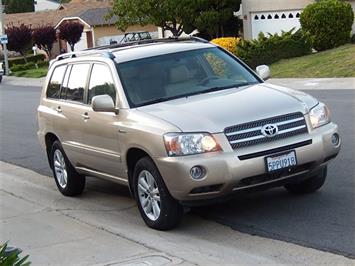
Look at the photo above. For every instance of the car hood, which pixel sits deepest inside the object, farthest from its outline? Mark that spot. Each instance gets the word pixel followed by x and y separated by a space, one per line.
pixel 213 112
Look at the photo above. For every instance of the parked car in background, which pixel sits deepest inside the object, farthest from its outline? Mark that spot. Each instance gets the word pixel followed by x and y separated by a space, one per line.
pixel 180 122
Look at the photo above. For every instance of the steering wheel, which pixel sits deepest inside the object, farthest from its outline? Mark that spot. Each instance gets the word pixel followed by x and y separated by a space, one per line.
pixel 207 79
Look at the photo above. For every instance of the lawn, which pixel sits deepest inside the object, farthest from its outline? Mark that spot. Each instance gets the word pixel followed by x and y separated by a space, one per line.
pixel 338 62
pixel 31 73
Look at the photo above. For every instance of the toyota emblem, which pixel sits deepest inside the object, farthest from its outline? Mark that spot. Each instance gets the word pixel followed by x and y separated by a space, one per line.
pixel 269 130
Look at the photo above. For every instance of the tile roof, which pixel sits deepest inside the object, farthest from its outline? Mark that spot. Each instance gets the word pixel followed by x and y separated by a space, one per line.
pixel 53 17
pixel 97 16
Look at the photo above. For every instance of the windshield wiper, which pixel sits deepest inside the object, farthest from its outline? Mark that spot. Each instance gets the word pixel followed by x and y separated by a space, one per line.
pixel 219 88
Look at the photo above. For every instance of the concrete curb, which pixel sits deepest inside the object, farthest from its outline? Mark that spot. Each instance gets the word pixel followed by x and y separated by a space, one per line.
pixel 316 83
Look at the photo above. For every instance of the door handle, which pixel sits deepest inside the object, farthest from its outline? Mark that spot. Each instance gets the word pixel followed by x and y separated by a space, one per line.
pixel 59 109
pixel 85 116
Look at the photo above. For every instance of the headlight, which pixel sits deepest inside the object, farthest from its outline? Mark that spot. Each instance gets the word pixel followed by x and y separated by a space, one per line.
pixel 178 144
pixel 319 115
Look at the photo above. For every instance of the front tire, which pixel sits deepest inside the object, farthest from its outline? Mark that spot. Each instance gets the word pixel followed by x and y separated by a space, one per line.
pixel 309 185
pixel 68 181
pixel 157 207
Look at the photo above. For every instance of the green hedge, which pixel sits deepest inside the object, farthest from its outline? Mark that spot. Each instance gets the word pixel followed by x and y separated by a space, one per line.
pixel 269 49
pixel 328 23
pixel 21 61
pixel 29 65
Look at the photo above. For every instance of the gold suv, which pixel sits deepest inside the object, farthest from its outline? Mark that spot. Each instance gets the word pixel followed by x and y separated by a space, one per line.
pixel 180 122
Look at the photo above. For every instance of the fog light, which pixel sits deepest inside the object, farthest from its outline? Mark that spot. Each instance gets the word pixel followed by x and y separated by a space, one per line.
pixel 197 172
pixel 335 139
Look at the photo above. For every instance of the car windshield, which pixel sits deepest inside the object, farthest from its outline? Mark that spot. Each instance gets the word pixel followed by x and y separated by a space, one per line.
pixel 183 74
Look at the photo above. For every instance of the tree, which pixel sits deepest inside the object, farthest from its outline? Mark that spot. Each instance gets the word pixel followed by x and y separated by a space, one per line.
pixel 44 37
pixel 167 14
pixel 208 16
pixel 19 6
pixel 20 39
pixel 328 23
pixel 71 32
pixel 216 18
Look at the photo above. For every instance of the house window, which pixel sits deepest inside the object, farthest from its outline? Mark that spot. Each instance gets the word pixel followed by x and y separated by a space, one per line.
pixel 262 17
pixel 283 15
pixel 297 15
pixel 276 16
pixel 256 17
pixel 269 17
pixel 290 15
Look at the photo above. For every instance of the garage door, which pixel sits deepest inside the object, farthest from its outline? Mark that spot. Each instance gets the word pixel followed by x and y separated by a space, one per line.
pixel 274 22
pixel 80 45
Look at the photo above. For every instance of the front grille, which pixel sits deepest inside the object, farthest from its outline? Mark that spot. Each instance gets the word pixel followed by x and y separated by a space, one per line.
pixel 249 134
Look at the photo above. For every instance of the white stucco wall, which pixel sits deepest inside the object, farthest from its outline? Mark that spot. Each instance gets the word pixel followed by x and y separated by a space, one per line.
pixel 45 5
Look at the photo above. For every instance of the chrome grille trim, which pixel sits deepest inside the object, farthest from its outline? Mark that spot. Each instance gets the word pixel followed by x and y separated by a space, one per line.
pixel 249 134
pixel 259 128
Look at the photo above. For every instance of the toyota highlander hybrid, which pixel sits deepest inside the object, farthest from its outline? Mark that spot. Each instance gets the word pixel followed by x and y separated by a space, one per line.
pixel 180 122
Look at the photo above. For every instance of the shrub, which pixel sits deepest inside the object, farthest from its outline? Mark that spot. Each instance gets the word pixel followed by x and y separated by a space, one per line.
pixel 228 43
pixel 21 61
pixel 267 50
pixel 12 258
pixel 328 23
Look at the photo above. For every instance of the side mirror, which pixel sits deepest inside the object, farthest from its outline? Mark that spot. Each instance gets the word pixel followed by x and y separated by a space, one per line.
pixel 103 103
pixel 263 71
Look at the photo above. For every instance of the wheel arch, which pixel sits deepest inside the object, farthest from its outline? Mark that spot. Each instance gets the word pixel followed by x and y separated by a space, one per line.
pixel 50 138
pixel 133 155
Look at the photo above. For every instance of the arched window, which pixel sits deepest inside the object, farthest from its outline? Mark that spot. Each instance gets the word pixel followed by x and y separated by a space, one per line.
pixel 297 15
pixel 262 17
pixel 290 15
pixel 256 17
pixel 283 15
pixel 269 17
pixel 276 16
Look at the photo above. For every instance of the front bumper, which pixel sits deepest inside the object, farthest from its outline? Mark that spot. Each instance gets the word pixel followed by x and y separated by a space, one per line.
pixel 244 169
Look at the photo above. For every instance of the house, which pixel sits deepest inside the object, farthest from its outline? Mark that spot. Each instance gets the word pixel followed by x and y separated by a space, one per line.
pixel 41 5
pixel 91 13
pixel 273 16
pixel 98 30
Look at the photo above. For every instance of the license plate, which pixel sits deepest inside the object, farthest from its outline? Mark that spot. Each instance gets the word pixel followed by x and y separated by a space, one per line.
pixel 281 161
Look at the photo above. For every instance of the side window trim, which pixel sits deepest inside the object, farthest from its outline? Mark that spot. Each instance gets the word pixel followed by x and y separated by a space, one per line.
pixel 64 86
pixel 86 84
pixel 61 84
pixel 112 78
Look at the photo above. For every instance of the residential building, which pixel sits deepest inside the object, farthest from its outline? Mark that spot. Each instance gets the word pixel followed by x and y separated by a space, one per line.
pixel 273 16
pixel 42 5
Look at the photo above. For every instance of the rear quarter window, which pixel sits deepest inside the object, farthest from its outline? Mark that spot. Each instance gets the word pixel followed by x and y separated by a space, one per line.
pixel 55 83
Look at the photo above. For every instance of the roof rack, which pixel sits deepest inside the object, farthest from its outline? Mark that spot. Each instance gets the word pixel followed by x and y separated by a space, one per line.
pixel 106 50
pixel 148 41
pixel 106 54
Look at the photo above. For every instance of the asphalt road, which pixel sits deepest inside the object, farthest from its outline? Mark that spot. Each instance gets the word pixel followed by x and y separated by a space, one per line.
pixel 324 220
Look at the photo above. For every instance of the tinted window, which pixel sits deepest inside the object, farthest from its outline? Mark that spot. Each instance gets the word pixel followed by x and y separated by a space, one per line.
pixel 53 90
pixel 101 82
pixel 171 76
pixel 77 82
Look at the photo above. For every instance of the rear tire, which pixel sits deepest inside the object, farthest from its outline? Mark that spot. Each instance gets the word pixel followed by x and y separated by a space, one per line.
pixel 309 185
pixel 157 207
pixel 68 181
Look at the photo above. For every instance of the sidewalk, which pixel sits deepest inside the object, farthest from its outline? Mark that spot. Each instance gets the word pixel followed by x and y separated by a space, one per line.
pixel 16 81
pixel 103 227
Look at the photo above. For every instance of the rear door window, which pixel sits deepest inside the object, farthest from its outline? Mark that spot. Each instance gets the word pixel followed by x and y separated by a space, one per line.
pixel 77 82
pixel 101 82
pixel 53 90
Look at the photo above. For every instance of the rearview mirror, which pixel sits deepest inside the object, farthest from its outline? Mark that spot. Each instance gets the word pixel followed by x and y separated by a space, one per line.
pixel 103 103
pixel 263 71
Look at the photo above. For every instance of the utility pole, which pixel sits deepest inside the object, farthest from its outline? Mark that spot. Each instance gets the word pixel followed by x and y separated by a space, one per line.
pixel 2 31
